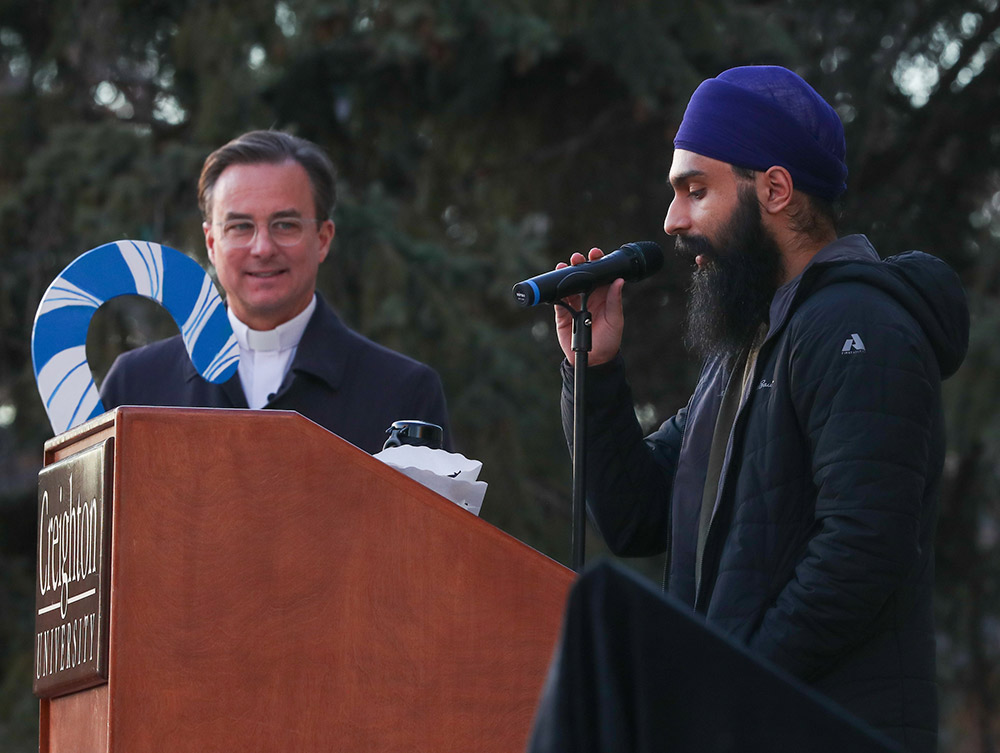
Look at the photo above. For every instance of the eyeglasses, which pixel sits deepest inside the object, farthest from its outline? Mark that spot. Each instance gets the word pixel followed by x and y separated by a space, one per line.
pixel 284 231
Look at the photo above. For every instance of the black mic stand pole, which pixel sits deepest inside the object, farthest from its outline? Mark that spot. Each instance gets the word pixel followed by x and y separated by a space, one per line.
pixel 581 343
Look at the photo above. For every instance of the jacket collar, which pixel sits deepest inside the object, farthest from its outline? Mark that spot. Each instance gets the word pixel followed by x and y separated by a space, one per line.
pixel 846 249
pixel 323 350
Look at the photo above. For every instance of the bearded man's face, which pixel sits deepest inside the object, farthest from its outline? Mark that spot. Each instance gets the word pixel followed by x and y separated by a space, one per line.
pixel 731 290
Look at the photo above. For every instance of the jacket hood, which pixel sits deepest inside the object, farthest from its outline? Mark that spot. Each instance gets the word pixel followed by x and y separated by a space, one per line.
pixel 925 286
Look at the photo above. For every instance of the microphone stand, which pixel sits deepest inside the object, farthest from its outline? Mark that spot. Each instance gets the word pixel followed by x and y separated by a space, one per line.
pixel 581 343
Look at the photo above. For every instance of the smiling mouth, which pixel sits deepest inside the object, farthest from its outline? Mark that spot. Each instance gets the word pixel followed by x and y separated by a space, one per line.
pixel 266 274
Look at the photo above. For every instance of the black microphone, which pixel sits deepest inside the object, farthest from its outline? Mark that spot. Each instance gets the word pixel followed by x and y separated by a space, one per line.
pixel 633 261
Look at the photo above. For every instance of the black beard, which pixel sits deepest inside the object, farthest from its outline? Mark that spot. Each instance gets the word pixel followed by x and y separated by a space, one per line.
pixel 730 294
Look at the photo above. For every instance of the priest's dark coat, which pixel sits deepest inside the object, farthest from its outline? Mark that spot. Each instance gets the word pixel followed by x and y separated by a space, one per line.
pixel 338 378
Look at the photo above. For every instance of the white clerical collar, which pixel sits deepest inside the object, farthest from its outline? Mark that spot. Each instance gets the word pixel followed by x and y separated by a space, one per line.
pixel 282 337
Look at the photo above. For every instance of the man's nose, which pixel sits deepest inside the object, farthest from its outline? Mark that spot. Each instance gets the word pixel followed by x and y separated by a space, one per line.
pixel 263 244
pixel 676 221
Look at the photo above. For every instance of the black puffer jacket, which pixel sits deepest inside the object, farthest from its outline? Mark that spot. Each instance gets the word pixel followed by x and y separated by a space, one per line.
pixel 820 551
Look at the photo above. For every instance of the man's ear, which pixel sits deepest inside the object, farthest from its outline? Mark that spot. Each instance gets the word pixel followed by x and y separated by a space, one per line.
pixel 326 232
pixel 774 189
pixel 206 228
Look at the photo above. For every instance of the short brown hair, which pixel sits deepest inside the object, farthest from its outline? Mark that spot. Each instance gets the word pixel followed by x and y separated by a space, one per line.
pixel 271 147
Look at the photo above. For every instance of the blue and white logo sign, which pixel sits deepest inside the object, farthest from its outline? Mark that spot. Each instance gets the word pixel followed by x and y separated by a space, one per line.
pixel 160 273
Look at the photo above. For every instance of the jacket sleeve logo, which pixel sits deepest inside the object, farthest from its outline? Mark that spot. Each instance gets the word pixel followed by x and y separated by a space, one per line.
pixel 853 345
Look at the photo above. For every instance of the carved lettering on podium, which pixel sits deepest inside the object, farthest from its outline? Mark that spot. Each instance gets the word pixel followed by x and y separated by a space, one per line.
pixel 71 583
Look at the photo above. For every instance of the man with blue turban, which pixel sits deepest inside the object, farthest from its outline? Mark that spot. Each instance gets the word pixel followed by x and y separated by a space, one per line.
pixel 796 494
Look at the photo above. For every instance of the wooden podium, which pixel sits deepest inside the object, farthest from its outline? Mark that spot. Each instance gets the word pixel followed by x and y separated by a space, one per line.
pixel 274 588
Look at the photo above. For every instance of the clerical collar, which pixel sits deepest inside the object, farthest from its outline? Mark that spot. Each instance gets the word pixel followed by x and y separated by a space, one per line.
pixel 282 337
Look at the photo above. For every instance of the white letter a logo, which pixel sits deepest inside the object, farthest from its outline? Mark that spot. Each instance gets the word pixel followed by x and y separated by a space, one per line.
pixel 853 344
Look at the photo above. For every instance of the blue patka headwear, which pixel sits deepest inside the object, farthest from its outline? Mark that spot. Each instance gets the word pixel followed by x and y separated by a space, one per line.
pixel 759 116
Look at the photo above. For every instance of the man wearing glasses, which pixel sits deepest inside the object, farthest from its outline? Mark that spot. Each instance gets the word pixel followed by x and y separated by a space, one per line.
pixel 266 198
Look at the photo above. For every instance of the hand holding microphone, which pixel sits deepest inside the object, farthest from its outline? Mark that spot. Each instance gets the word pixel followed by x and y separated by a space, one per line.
pixel 601 275
pixel 633 261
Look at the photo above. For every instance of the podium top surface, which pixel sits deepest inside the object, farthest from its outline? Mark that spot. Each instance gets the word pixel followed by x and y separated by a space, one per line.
pixel 97 428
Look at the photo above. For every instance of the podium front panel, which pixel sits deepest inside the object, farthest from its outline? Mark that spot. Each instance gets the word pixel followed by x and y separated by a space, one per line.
pixel 273 587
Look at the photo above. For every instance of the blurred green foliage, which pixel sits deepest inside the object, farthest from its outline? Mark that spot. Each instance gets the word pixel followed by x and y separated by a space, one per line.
pixel 479 142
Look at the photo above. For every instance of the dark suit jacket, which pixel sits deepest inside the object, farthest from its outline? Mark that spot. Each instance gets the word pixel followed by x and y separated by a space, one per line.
pixel 339 379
